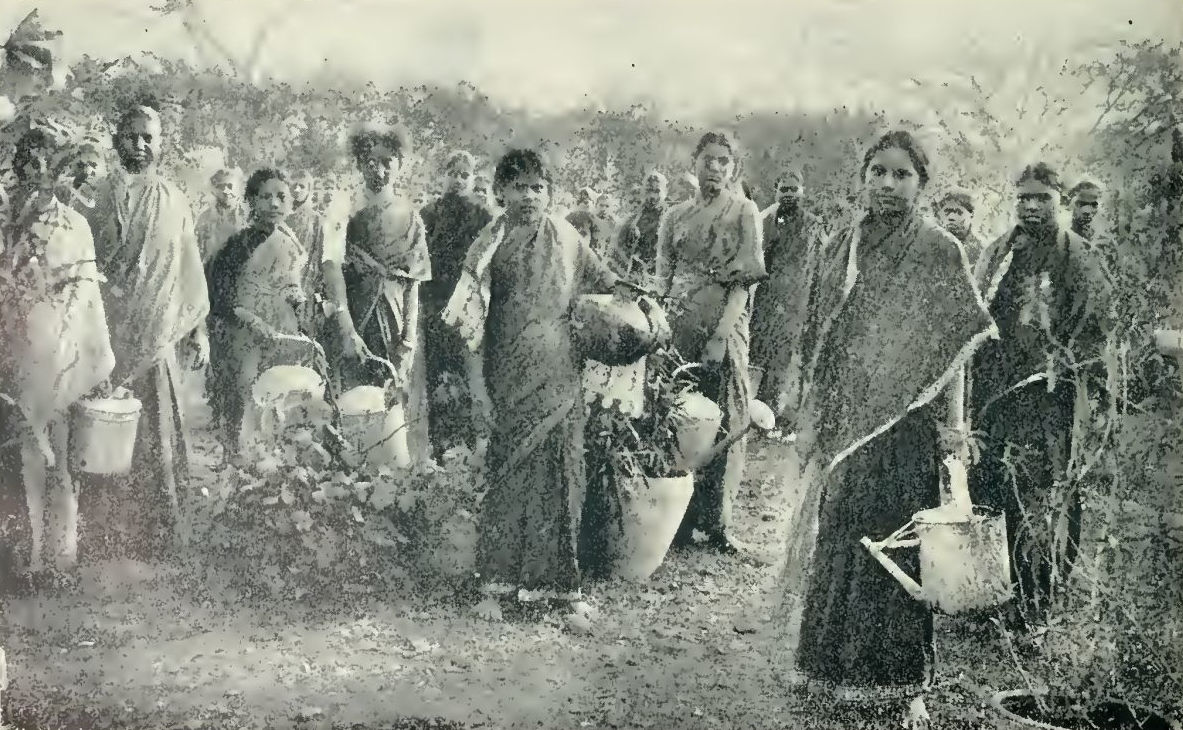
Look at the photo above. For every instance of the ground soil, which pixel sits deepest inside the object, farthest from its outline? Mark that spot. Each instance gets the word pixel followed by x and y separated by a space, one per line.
pixel 177 645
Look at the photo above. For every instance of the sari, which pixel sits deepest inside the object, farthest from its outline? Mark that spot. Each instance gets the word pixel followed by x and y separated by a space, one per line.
pixel 452 223
pixel 512 304
pixel 55 349
pixel 791 250
pixel 900 318
pixel 259 271
pixel 1050 297
pixel 155 297
pixel 386 258
pixel 704 251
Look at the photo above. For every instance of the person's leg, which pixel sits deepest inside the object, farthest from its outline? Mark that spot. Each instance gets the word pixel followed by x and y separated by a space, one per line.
pixel 693 518
pixel 62 517
pixel 33 472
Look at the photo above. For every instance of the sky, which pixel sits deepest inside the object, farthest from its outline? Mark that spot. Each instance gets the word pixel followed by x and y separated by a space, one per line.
pixel 688 55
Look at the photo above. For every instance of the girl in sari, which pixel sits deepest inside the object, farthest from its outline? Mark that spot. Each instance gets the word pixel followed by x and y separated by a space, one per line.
pixel 384 263
pixel 255 287
pixel 898 318
pixel 54 349
pixel 709 254
pixel 512 304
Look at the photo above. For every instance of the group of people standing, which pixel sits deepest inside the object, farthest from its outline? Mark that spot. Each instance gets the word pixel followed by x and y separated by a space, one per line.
pixel 915 334
pixel 871 342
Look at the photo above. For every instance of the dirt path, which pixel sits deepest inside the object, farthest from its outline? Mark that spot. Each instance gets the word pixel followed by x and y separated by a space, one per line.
pixel 139 648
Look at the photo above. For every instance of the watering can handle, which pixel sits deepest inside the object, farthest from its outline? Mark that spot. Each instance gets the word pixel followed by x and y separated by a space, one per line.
pixel 896 540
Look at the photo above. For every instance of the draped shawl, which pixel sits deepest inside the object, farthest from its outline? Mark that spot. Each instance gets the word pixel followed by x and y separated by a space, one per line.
pixel 148 251
pixel 386 253
pixel 57 347
pixel 704 250
pixel 1075 304
pixel 468 308
pixel 889 340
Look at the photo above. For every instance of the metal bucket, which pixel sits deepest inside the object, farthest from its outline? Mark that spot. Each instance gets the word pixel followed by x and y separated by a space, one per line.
pixel 103 434
pixel 376 432
pixel 964 564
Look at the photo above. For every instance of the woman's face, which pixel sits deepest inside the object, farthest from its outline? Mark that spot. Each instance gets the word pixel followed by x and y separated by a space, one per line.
pixel 714 167
pixel 891 182
pixel 378 166
pixel 460 179
pixel 272 203
pixel 526 198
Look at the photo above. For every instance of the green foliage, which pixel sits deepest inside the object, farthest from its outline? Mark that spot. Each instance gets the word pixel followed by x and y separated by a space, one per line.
pixel 306 524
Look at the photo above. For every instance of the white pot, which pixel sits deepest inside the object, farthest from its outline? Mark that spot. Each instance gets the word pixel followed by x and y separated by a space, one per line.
pixel 653 510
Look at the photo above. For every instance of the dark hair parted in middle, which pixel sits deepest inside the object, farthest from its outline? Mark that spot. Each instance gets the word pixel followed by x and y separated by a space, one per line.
pixel 718 137
pixel 900 140
pixel 395 137
pixel 261 176
pixel 516 163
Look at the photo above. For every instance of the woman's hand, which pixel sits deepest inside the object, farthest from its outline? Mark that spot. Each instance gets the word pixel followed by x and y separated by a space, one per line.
pixel 354 346
pixel 199 346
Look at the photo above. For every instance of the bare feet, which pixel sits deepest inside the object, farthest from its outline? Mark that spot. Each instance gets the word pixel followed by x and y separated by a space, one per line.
pixel 916 716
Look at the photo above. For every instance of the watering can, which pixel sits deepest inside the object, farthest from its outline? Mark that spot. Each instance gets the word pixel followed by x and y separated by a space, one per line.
pixel 694 456
pixel 964 561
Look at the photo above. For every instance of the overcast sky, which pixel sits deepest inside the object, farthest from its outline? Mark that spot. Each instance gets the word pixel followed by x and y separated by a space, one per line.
pixel 690 55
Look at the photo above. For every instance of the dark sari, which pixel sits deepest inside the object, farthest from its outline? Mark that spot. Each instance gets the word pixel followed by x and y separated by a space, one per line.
pixel 452 223
pixel 791 242
pixel 901 317
pixel 1030 425
pixel 530 515
pixel 385 256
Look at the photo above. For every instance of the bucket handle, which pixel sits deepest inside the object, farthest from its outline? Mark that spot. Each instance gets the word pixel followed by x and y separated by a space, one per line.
pixel 905 537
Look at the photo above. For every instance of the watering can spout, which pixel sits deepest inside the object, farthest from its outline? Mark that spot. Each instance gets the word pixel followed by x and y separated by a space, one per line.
pixel 914 589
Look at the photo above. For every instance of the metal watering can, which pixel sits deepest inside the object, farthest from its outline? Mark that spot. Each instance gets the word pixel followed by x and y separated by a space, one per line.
pixel 964 561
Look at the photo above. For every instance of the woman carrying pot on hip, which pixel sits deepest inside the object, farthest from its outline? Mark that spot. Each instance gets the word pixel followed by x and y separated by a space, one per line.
pixel 709 254
pixel 897 318
pixel 512 305
pixel 54 349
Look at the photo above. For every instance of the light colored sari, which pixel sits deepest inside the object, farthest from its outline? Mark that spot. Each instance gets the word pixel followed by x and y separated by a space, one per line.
pixel 706 249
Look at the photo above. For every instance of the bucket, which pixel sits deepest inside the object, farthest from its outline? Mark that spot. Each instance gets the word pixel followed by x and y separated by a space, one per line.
pixel 373 429
pixel 276 395
pixel 653 510
pixel 103 434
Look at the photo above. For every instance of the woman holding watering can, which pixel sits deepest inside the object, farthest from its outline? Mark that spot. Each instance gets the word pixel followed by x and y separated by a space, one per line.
pixel 895 318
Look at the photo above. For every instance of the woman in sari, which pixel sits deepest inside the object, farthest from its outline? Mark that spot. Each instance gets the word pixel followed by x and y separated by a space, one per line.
pixel 512 303
pixel 255 287
pixel 898 318
pixel 709 254
pixel 54 349
pixel 385 261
